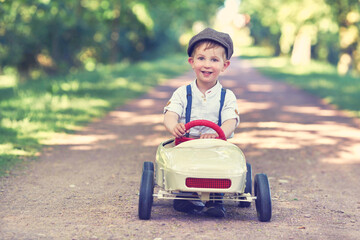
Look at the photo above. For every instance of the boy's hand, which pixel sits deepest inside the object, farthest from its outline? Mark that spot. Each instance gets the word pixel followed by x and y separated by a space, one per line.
pixel 172 125
pixel 179 130
pixel 209 135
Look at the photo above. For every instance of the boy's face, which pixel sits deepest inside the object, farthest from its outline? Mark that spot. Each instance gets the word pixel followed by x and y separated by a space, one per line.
pixel 208 64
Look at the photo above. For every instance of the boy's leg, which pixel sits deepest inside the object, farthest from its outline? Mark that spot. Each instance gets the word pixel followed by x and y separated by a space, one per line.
pixel 215 208
pixel 188 206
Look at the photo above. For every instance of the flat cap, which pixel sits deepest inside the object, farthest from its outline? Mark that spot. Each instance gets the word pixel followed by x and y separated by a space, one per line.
pixel 223 39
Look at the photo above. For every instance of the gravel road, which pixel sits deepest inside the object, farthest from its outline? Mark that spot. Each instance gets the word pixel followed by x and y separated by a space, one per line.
pixel 85 186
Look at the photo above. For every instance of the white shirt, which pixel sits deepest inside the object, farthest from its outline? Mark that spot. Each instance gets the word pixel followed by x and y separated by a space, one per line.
pixel 203 106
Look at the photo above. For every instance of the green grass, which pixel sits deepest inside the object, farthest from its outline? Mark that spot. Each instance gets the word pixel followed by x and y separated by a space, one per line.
pixel 33 111
pixel 319 78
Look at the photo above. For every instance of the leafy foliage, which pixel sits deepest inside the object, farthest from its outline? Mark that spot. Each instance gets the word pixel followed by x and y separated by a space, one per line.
pixel 333 26
pixel 55 36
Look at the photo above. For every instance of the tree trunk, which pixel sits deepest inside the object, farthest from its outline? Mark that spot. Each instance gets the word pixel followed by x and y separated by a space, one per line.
pixel 301 54
pixel 349 37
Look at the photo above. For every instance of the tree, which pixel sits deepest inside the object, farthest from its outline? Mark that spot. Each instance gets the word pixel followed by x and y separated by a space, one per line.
pixel 54 36
pixel 291 26
pixel 324 28
pixel 347 15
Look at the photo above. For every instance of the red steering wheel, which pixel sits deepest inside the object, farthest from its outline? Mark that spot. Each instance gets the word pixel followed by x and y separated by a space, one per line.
pixel 205 123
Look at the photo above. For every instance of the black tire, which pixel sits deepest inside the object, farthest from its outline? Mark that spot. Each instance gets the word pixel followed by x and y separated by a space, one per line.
pixel 148 166
pixel 146 194
pixel 263 197
pixel 248 186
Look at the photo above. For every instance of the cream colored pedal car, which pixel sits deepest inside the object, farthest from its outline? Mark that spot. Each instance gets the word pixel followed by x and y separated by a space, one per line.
pixel 203 166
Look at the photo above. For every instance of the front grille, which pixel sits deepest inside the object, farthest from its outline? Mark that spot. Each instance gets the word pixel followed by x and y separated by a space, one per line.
pixel 208 183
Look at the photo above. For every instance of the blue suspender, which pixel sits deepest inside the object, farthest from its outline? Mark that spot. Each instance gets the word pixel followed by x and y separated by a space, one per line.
pixel 222 100
pixel 189 103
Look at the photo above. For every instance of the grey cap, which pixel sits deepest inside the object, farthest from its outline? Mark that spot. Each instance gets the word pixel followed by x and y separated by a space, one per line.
pixel 223 39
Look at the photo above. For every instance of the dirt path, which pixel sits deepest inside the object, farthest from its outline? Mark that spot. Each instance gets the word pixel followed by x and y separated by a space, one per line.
pixel 85 186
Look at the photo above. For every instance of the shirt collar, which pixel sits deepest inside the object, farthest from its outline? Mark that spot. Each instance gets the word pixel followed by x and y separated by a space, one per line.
pixel 211 91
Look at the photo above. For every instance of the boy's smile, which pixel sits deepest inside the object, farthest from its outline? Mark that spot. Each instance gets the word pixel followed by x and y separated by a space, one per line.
pixel 208 64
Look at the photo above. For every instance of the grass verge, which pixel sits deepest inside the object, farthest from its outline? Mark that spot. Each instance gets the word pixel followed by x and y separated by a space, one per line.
pixel 33 111
pixel 320 79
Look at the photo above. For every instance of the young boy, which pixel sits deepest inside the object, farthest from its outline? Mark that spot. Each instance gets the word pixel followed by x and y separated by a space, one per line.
pixel 209 55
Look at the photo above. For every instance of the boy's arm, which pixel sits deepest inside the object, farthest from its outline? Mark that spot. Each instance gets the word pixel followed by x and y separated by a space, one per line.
pixel 229 127
pixel 172 125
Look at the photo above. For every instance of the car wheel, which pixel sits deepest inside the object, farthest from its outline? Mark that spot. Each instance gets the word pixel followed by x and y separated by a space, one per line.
pixel 263 197
pixel 248 186
pixel 148 166
pixel 146 194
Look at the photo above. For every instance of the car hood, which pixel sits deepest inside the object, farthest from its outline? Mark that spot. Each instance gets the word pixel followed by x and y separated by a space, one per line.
pixel 212 157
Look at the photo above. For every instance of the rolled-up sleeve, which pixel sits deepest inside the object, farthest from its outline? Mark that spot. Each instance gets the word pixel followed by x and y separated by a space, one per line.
pixel 177 102
pixel 230 109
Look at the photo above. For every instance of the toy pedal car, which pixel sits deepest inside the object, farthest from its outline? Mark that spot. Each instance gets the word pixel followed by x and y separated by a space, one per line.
pixel 203 166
